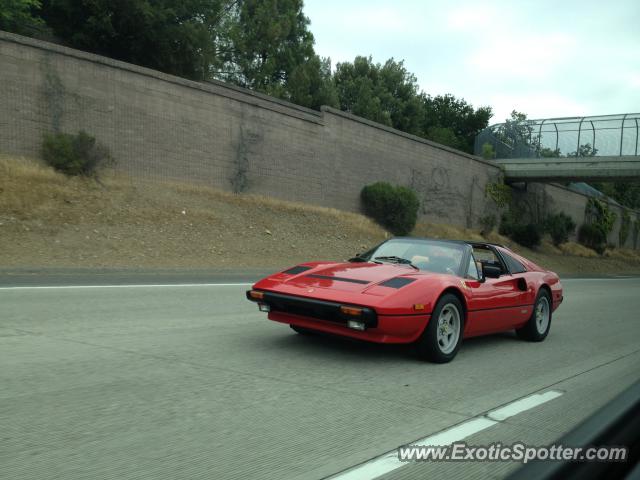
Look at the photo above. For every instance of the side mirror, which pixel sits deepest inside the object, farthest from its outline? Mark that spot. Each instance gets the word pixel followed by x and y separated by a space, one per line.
pixel 491 271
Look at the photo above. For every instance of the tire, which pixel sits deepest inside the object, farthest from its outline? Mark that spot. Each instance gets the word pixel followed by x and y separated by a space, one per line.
pixel 301 330
pixel 537 327
pixel 442 338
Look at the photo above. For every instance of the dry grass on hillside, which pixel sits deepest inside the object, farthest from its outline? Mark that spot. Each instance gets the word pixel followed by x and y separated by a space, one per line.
pixel 623 254
pixel 50 220
pixel 577 250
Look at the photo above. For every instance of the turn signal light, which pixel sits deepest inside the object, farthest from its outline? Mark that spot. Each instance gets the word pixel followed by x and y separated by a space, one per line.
pixel 257 295
pixel 355 311
pixel 418 306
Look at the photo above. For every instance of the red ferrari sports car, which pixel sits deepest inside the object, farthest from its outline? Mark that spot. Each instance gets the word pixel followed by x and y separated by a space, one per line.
pixel 431 293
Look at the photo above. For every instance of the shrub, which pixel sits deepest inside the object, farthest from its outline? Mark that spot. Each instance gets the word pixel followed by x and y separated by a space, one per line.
pixel 74 154
pixel 393 207
pixel 488 223
pixel 591 236
pixel 488 153
pixel 499 193
pixel 560 226
pixel 598 213
pixel 526 234
pixel 506 224
pixel 600 222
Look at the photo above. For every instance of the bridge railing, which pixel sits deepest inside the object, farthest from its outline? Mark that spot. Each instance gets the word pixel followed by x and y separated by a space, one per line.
pixel 609 135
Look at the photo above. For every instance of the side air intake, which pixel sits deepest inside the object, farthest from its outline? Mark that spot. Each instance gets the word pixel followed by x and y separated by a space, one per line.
pixel 296 270
pixel 397 282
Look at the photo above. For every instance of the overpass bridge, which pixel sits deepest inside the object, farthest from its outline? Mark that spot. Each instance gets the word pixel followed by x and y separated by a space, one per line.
pixel 603 148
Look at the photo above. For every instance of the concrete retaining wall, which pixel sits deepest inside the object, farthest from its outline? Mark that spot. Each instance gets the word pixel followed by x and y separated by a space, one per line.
pixel 160 127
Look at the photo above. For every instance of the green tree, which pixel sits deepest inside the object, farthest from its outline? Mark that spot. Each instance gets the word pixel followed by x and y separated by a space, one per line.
pixel 270 49
pixel 20 16
pixel 516 137
pixel 445 136
pixel 173 36
pixel 463 122
pixel 269 39
pixel 386 94
pixel 625 193
pixel 389 94
pixel 311 84
pixel 585 150
pixel 546 152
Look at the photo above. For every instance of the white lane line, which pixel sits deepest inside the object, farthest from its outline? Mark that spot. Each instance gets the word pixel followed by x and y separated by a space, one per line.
pixel 522 405
pixel 600 279
pixel 454 434
pixel 389 461
pixel 69 287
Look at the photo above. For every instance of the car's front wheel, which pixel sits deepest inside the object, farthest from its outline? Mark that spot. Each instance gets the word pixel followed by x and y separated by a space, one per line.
pixel 537 327
pixel 441 340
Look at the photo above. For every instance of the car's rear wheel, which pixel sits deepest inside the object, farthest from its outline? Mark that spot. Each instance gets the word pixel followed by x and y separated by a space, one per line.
pixel 537 327
pixel 301 330
pixel 441 340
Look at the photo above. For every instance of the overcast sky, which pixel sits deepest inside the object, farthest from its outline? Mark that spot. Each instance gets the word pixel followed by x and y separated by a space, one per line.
pixel 545 58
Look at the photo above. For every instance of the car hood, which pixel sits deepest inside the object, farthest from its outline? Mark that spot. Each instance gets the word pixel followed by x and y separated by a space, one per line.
pixel 388 288
pixel 352 277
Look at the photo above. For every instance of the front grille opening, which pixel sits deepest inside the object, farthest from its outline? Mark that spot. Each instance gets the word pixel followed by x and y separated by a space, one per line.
pixel 319 309
pixel 328 313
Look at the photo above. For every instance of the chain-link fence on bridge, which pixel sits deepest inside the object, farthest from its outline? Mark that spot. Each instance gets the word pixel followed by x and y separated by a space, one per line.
pixel 608 135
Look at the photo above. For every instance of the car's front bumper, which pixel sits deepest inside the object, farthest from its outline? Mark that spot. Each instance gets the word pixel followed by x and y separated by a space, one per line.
pixel 327 317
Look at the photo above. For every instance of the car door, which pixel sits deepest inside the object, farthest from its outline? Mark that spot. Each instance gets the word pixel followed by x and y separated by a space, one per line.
pixel 527 289
pixel 495 304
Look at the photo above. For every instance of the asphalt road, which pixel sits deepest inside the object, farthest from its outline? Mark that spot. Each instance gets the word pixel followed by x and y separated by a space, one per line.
pixel 193 382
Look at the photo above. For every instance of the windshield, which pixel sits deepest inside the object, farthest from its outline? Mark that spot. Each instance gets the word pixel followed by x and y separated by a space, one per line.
pixel 429 255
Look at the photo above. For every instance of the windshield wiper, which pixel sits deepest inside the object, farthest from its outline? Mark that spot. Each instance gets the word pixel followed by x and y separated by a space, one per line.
pixel 395 259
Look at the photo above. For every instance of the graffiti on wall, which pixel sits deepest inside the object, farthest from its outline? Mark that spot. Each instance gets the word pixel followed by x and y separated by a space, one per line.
pixel 441 197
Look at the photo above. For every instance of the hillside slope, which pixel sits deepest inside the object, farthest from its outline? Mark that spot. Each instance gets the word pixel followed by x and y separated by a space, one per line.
pixel 49 220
